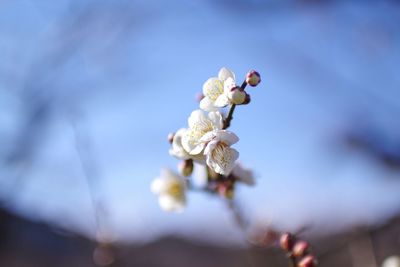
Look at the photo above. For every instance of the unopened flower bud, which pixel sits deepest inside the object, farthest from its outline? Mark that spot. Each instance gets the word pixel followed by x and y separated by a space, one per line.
pixel 253 78
pixel 186 167
pixel 300 248
pixel 170 137
pixel 237 96
pixel 286 241
pixel 308 261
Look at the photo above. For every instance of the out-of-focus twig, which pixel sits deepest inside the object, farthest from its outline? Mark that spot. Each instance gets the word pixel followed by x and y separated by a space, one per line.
pixel 103 254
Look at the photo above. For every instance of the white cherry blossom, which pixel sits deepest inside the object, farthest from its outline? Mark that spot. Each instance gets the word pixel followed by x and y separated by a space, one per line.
pixel 179 152
pixel 215 90
pixel 220 157
pixel 171 190
pixel 200 123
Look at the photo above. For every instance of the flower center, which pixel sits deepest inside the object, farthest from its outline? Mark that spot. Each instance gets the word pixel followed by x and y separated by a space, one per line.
pixel 175 190
pixel 199 129
pixel 222 155
pixel 215 88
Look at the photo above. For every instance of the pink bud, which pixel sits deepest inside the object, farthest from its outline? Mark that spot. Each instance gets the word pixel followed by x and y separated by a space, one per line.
pixel 300 248
pixel 237 96
pixel 308 261
pixel 286 241
pixel 253 78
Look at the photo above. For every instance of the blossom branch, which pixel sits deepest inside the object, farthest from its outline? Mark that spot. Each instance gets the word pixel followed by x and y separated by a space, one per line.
pixel 207 142
pixel 229 118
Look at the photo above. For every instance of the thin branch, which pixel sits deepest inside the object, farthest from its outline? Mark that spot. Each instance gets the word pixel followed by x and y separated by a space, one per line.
pixel 229 118
pixel 292 261
pixel 89 174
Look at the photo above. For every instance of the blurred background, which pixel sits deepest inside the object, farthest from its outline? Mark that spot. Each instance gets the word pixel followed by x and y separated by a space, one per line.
pixel 89 91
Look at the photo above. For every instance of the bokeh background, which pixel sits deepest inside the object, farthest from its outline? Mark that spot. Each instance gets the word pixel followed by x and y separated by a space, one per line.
pixel 89 91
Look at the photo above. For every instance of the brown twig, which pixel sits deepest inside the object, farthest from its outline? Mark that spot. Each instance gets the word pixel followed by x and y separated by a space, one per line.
pixel 229 118
pixel 292 260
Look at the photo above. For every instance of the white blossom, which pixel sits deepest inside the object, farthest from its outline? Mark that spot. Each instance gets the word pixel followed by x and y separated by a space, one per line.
pixel 200 123
pixel 220 157
pixel 171 190
pixel 243 174
pixel 179 152
pixel 216 89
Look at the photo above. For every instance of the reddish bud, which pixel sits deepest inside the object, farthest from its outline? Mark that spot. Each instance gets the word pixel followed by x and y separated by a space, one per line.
pixel 170 137
pixel 253 78
pixel 286 241
pixel 300 248
pixel 237 96
pixel 308 261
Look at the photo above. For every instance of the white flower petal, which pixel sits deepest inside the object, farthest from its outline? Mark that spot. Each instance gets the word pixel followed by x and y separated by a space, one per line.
pixel 171 204
pixel 191 142
pixel 227 137
pixel 171 190
pixel 222 101
pixel 225 73
pixel 195 116
pixel 210 147
pixel 166 181
pixel 177 149
pixel 228 85
pixel 157 186
pixel 227 169
pixel 200 124
pixel 216 119
pixel 208 136
pixel 207 104
pixel 213 88
pixel 197 149
pixel 221 158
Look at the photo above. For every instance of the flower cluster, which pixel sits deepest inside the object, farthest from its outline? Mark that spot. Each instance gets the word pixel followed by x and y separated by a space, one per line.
pixel 207 141
pixel 298 251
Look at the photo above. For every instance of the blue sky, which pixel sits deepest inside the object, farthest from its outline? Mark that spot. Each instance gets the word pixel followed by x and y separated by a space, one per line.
pixel 126 73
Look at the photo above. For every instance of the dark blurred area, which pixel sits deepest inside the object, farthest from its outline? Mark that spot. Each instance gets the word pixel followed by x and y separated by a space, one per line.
pixel 27 243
